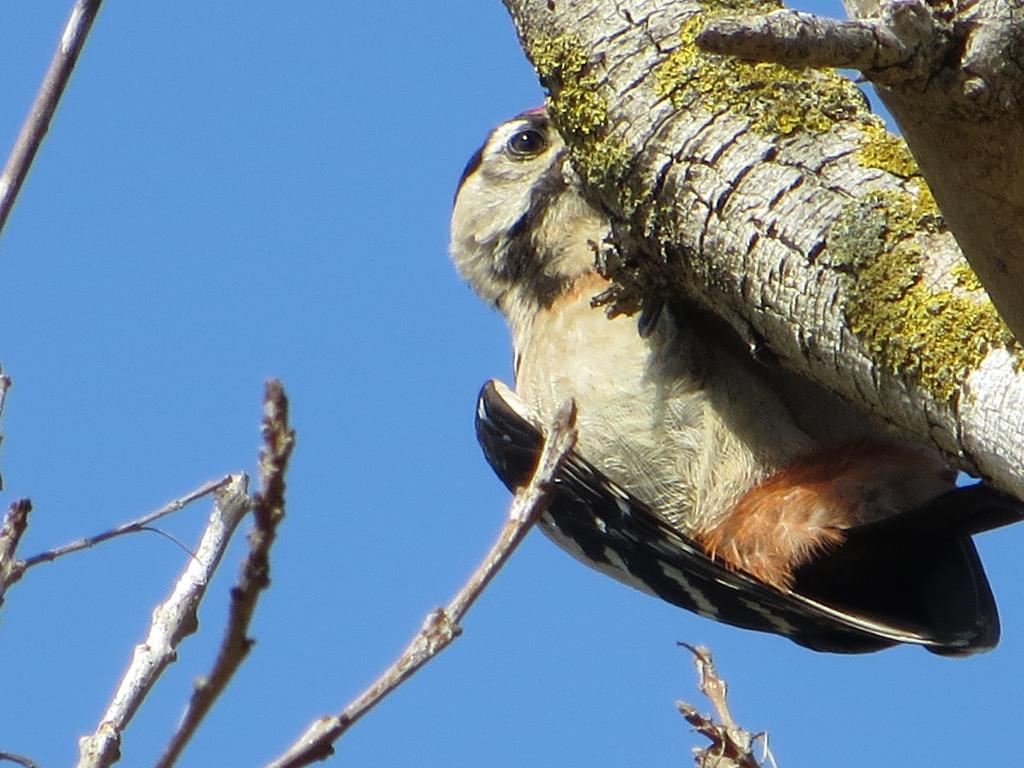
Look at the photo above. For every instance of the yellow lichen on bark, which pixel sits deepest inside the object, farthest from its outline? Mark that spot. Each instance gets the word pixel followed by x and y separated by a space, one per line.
pixel 580 112
pixel 775 99
pixel 884 150
pixel 912 323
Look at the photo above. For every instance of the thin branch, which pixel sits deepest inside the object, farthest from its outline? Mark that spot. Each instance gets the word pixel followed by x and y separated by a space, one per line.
pixel 5 384
pixel 15 520
pixel 15 523
pixel 900 44
pixel 173 620
pixel 268 512
pixel 133 527
pixel 76 29
pixel 731 746
pixel 19 759
pixel 442 626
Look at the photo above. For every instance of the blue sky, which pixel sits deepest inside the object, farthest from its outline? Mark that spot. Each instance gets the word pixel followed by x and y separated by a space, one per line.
pixel 235 192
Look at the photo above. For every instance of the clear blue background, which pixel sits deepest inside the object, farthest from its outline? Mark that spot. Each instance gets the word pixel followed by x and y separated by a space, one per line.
pixel 236 191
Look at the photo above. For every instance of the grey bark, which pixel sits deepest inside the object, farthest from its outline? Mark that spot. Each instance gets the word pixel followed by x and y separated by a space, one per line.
pixel 772 196
pixel 963 122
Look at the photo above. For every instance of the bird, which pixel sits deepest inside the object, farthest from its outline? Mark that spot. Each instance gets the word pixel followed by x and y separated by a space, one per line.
pixel 703 473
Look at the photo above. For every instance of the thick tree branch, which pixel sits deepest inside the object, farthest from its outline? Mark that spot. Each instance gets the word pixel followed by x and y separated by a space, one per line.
pixel 41 113
pixel 442 626
pixel 774 198
pixel 953 76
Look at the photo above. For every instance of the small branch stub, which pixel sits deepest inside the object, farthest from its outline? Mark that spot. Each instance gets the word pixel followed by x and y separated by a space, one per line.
pixel 901 46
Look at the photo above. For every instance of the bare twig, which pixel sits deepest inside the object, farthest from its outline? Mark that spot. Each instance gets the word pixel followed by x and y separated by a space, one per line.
pixel 76 29
pixel 5 384
pixel 268 512
pixel 15 523
pixel 19 759
pixel 731 746
pixel 442 625
pixel 133 527
pixel 172 621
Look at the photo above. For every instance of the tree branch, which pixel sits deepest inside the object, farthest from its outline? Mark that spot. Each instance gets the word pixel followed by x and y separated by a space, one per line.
pixel 14 525
pixel 5 385
pixel 15 520
pixel 953 77
pixel 899 45
pixel 76 29
pixel 134 526
pixel 442 626
pixel 774 198
pixel 19 759
pixel 268 512
pixel 173 620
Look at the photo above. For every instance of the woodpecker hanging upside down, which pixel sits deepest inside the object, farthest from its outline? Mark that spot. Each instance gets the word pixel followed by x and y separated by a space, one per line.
pixel 701 475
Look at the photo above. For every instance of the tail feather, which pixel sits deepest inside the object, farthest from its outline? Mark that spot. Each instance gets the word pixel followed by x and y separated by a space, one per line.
pixel 920 567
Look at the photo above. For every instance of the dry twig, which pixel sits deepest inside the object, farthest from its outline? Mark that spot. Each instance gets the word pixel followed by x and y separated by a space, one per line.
pixel 5 384
pixel 76 29
pixel 134 526
pixel 442 625
pixel 16 521
pixel 172 621
pixel 19 759
pixel 14 524
pixel 731 746
pixel 268 512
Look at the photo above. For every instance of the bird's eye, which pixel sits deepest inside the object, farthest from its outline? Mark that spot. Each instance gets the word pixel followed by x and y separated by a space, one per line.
pixel 526 143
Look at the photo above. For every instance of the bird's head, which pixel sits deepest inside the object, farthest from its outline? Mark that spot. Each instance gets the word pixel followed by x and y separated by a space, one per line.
pixel 521 230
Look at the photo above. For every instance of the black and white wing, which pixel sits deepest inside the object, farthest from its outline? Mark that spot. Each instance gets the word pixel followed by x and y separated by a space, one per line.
pixel 915 578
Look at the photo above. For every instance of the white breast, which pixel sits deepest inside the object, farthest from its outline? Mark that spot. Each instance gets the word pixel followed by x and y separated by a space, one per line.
pixel 684 429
